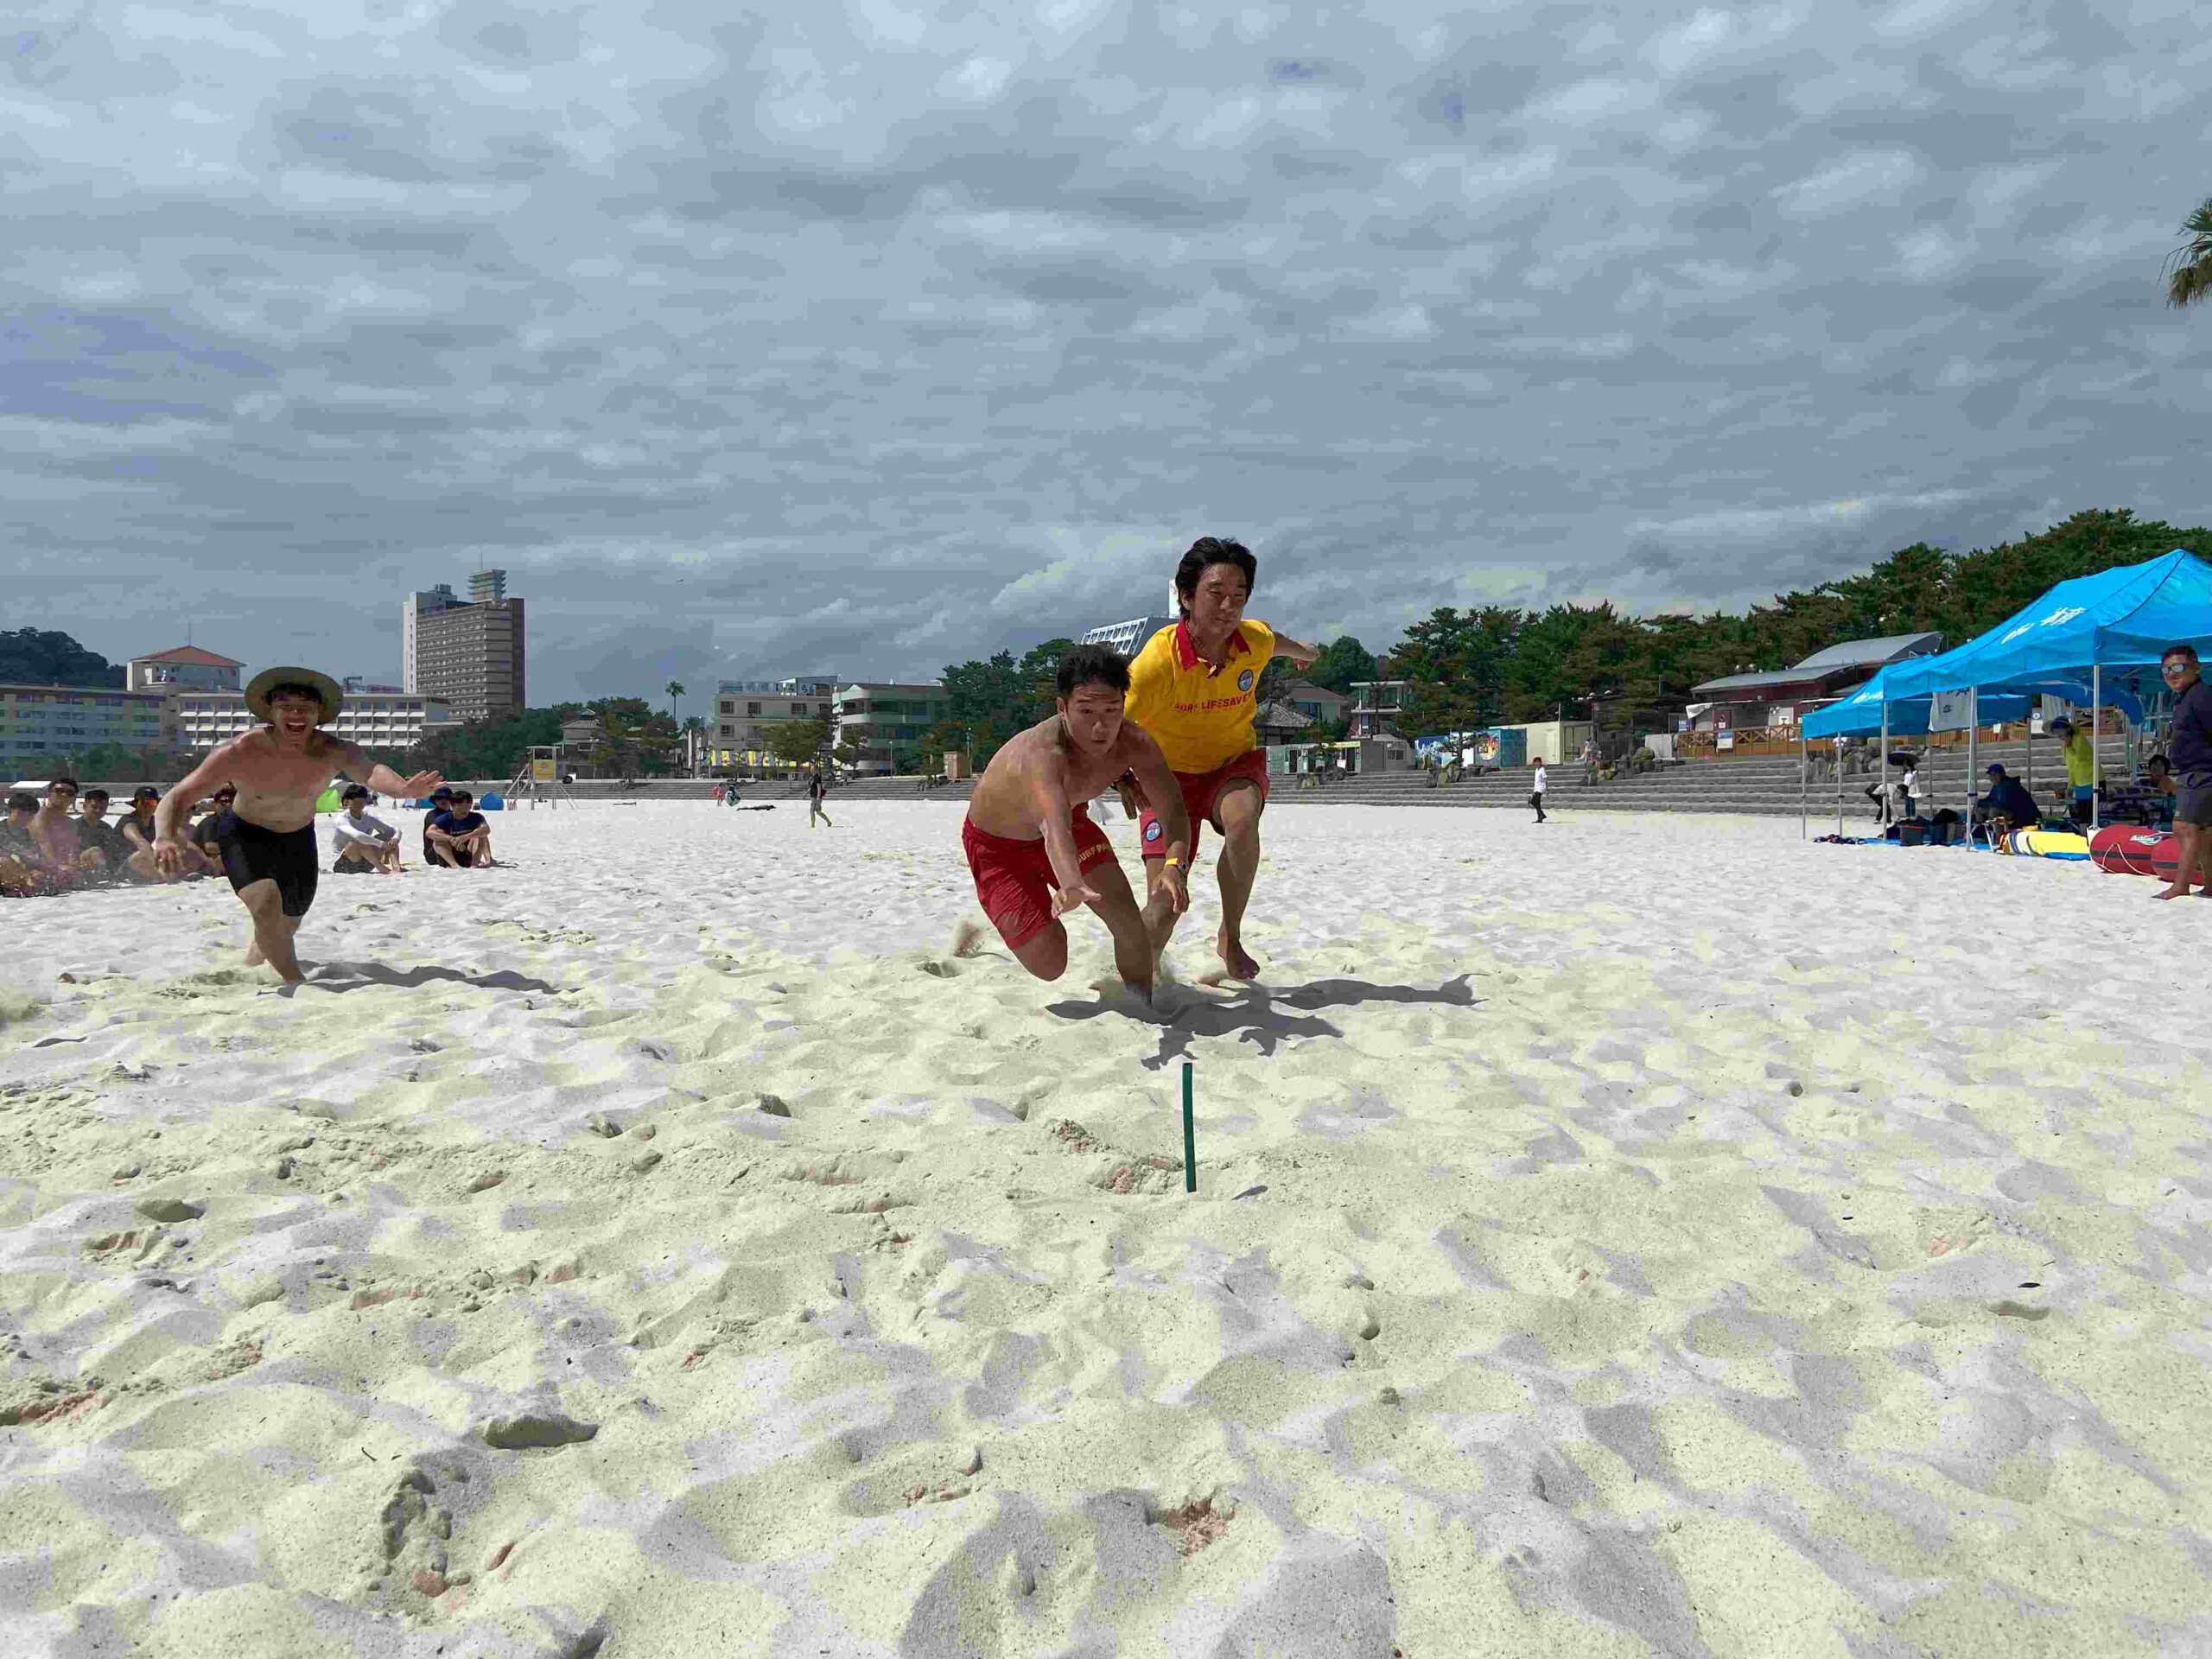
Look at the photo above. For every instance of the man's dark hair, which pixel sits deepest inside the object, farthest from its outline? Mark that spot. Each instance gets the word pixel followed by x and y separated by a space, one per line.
pixel 222 790
pixel 145 793
pixel 354 792
pixel 92 795
pixel 1091 665
pixel 2157 760
pixel 1209 551
pixel 2184 650
pixel 293 689
pixel 62 783
pixel 461 795
pixel 22 800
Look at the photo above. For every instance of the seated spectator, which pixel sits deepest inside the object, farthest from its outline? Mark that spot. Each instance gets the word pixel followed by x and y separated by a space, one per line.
pixel 136 829
pixel 441 800
pixel 67 859
pixel 23 859
pixel 459 837
pixel 2158 778
pixel 206 837
pixel 2008 798
pixel 94 831
pixel 364 843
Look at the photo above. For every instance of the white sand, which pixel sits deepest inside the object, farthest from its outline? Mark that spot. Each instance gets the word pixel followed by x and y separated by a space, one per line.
pixel 1675 1238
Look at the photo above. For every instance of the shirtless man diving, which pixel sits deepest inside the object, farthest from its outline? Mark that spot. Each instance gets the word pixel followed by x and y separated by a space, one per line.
pixel 1032 847
pixel 267 838
pixel 1194 687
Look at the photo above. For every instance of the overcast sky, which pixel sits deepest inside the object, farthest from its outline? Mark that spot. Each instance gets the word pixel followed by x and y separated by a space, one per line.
pixel 868 338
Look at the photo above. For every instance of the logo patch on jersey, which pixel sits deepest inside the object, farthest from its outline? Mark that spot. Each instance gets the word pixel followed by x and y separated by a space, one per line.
pixel 1152 830
pixel 1244 681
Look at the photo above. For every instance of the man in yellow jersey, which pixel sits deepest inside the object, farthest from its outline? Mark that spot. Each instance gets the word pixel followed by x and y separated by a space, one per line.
pixel 2080 757
pixel 1193 688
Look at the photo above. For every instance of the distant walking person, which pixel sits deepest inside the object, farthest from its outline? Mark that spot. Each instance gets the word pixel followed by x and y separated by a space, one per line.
pixel 816 789
pixel 1536 794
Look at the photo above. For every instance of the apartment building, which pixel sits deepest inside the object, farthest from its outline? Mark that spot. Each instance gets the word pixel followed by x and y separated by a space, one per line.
pixel 467 654
pixel 40 725
pixel 376 717
pixel 748 711
pixel 888 723
pixel 1128 638
pixel 182 668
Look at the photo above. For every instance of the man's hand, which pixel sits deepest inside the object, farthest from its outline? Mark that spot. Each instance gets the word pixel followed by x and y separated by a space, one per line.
pixel 421 784
pixel 1065 899
pixel 168 853
pixel 1171 878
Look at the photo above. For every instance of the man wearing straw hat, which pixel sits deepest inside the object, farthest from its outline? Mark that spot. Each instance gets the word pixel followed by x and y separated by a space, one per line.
pixel 267 838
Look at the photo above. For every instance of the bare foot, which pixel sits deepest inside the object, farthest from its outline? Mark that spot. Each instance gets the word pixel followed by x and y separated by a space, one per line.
pixel 1234 959
pixel 2171 893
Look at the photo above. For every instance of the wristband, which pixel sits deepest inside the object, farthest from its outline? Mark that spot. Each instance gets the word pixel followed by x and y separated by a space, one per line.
pixel 1174 863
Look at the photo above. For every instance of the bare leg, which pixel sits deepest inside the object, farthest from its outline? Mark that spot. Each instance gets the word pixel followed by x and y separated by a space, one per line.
pixel 1238 811
pixel 272 931
pixel 1159 914
pixel 2190 835
pixel 1046 955
pixel 1135 955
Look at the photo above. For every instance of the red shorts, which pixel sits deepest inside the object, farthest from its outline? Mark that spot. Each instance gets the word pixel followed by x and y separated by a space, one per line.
pixel 1012 876
pixel 1201 789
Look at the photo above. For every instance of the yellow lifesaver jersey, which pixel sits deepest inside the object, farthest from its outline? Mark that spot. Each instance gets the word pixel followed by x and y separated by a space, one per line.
pixel 1201 716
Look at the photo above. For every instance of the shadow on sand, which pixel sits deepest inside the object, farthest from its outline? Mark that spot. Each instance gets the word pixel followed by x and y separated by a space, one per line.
pixel 1264 1018
pixel 352 976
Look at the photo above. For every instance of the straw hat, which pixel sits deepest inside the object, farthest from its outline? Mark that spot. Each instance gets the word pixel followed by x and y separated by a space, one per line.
pixel 256 695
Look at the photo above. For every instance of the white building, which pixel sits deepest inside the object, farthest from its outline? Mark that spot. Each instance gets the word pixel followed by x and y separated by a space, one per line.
pixel 1128 638
pixel 379 719
pixel 748 711
pixel 887 722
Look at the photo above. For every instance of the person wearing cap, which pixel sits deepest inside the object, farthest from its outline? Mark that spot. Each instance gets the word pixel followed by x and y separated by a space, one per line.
pixel 441 801
pixel 23 871
pixel 2008 798
pixel 267 837
pixel 2081 757
pixel 364 843
pixel 96 835
pixel 459 838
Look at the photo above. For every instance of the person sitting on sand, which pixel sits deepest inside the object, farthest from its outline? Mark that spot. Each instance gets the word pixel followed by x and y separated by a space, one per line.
pixel 1193 689
pixel 67 859
pixel 97 835
pixel 1031 848
pixel 440 799
pixel 278 772
pixel 139 833
pixel 206 836
pixel 2160 783
pixel 23 869
pixel 364 843
pixel 459 838
pixel 2008 798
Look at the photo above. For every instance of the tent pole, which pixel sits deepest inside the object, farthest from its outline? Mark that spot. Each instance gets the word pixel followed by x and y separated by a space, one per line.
pixel 1884 811
pixel 1974 731
pixel 2096 736
pixel 1805 784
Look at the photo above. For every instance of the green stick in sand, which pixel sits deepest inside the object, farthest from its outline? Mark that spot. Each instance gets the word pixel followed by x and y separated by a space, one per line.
pixel 1189 1137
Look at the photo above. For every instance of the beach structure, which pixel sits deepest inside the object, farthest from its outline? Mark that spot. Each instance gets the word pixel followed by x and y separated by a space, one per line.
pixel 383 718
pixel 1128 637
pixel 182 668
pixel 1782 697
pixel 748 711
pixel 39 723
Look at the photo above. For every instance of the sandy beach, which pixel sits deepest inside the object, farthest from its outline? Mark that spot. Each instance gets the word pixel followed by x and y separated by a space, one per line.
pixel 1619 1237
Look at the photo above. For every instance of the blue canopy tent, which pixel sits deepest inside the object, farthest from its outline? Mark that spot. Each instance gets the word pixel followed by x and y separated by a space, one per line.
pixel 1871 709
pixel 2091 622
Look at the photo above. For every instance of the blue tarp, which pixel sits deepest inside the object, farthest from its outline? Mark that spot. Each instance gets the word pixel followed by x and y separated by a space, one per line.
pixel 2078 624
pixel 2118 619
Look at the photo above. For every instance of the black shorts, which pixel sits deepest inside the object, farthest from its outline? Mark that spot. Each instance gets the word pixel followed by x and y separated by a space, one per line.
pixel 251 853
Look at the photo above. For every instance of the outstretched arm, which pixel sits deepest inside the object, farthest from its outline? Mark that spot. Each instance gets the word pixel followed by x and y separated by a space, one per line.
pixel 1049 798
pixel 1297 655
pixel 354 763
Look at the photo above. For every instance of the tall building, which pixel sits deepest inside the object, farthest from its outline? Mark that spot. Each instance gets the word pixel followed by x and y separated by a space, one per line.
pixel 1128 637
pixel 467 653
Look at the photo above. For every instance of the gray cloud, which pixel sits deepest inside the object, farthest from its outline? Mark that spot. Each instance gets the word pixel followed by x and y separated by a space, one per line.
pixel 871 340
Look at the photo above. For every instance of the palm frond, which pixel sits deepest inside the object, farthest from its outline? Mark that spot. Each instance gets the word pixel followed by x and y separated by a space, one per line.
pixel 2189 268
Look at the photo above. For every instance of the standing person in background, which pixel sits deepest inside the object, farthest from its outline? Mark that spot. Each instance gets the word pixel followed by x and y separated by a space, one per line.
pixel 2189 748
pixel 816 789
pixel 2081 757
pixel 1589 764
pixel 1192 691
pixel 1536 790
